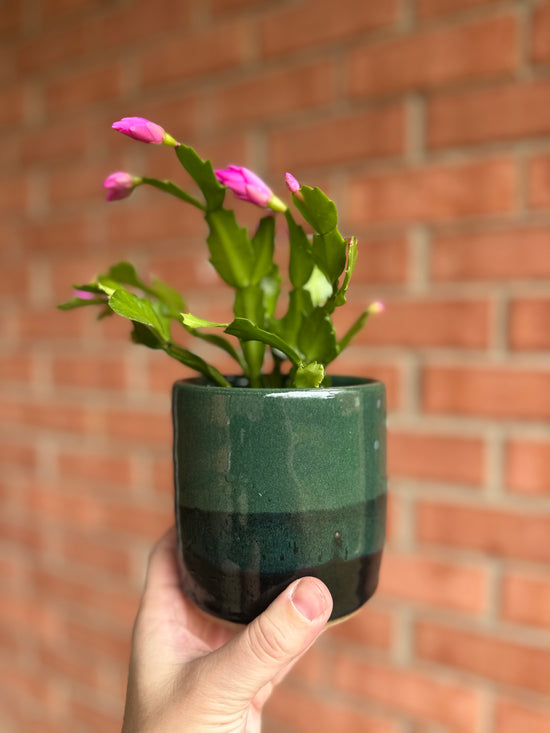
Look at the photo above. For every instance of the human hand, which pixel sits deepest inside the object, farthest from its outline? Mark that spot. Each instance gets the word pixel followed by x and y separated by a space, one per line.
pixel 189 673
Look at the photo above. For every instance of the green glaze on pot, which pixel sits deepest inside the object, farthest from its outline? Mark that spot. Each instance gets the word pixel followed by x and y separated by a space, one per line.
pixel 272 484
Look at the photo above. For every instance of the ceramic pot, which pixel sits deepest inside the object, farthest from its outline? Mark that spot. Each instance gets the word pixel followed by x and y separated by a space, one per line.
pixel 276 484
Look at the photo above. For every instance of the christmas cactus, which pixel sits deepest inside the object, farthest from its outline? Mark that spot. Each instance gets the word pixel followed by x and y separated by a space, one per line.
pixel 303 341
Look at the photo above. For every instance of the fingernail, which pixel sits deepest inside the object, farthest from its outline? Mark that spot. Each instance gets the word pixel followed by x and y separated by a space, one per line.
pixel 308 599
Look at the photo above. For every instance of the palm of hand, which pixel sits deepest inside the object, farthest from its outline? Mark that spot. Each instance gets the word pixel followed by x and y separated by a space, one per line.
pixel 173 636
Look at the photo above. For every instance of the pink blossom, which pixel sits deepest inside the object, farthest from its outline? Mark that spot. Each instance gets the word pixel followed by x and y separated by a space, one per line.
pixel 84 294
pixel 292 183
pixel 119 185
pixel 247 186
pixel 377 307
pixel 144 130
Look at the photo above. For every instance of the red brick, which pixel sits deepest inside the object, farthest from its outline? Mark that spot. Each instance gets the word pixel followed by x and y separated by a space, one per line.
pixel 31 617
pixel 502 660
pixel 15 367
pixel 525 599
pixel 163 372
pixel 312 667
pixel 23 533
pixel 75 270
pixel 356 362
pixel 310 714
pixel 529 318
pixel 371 627
pixel 57 10
pixel 95 466
pixel 14 282
pixel 435 57
pixel 436 8
pixel 275 93
pixel 97 641
pixel 64 665
pixel 93 717
pixel 435 193
pixel 39 324
pixel 435 323
pixel 509 254
pixel 527 466
pixel 17 453
pixel 140 521
pixel 53 416
pixel 94 372
pixel 52 504
pixel 383 260
pixel 163 476
pixel 59 234
pixel 223 6
pixel 540 33
pixel 83 90
pixel 538 182
pixel 453 706
pixel 11 20
pixel 316 22
pixel 152 219
pixel 77 184
pixel 12 111
pixel 436 457
pixel 484 115
pixel 512 717
pixel 27 684
pixel 49 145
pixel 434 582
pixel 190 56
pixel 141 21
pixel 496 392
pixel 138 426
pixel 117 604
pixel 56 46
pixel 13 196
pixel 375 133
pixel 493 531
pixel 186 269
pixel 89 552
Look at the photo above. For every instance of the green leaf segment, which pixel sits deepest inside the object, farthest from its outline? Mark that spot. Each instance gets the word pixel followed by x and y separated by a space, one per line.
pixel 320 269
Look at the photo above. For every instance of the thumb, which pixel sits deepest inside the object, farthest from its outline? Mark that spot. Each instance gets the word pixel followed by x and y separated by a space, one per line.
pixel 272 642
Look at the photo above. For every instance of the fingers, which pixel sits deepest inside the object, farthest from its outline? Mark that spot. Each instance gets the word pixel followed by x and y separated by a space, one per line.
pixel 272 642
pixel 162 568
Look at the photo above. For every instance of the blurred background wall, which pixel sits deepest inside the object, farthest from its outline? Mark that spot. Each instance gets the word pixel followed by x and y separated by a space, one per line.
pixel 428 121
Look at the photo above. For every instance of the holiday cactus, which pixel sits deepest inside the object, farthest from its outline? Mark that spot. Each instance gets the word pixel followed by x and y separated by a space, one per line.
pixel 303 341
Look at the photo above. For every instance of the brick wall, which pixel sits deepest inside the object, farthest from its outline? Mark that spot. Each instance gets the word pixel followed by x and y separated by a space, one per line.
pixel 429 122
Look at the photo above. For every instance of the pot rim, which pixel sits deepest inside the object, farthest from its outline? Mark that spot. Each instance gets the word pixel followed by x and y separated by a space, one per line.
pixel 345 382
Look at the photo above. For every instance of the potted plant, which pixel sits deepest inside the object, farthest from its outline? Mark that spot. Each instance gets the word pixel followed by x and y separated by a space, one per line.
pixel 280 468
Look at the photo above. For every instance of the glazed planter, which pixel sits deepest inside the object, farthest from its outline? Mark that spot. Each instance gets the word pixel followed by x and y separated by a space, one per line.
pixel 276 484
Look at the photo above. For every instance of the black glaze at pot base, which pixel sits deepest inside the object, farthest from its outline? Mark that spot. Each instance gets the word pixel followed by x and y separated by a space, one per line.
pixel 247 594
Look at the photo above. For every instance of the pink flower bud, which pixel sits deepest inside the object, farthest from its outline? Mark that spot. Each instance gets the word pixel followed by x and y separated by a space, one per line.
pixel 119 185
pixel 245 185
pixel 377 307
pixel 84 294
pixel 144 130
pixel 292 183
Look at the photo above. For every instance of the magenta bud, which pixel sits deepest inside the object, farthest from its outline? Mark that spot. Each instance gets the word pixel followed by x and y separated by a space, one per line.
pixel 119 185
pixel 377 307
pixel 245 185
pixel 292 184
pixel 144 130
pixel 84 294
